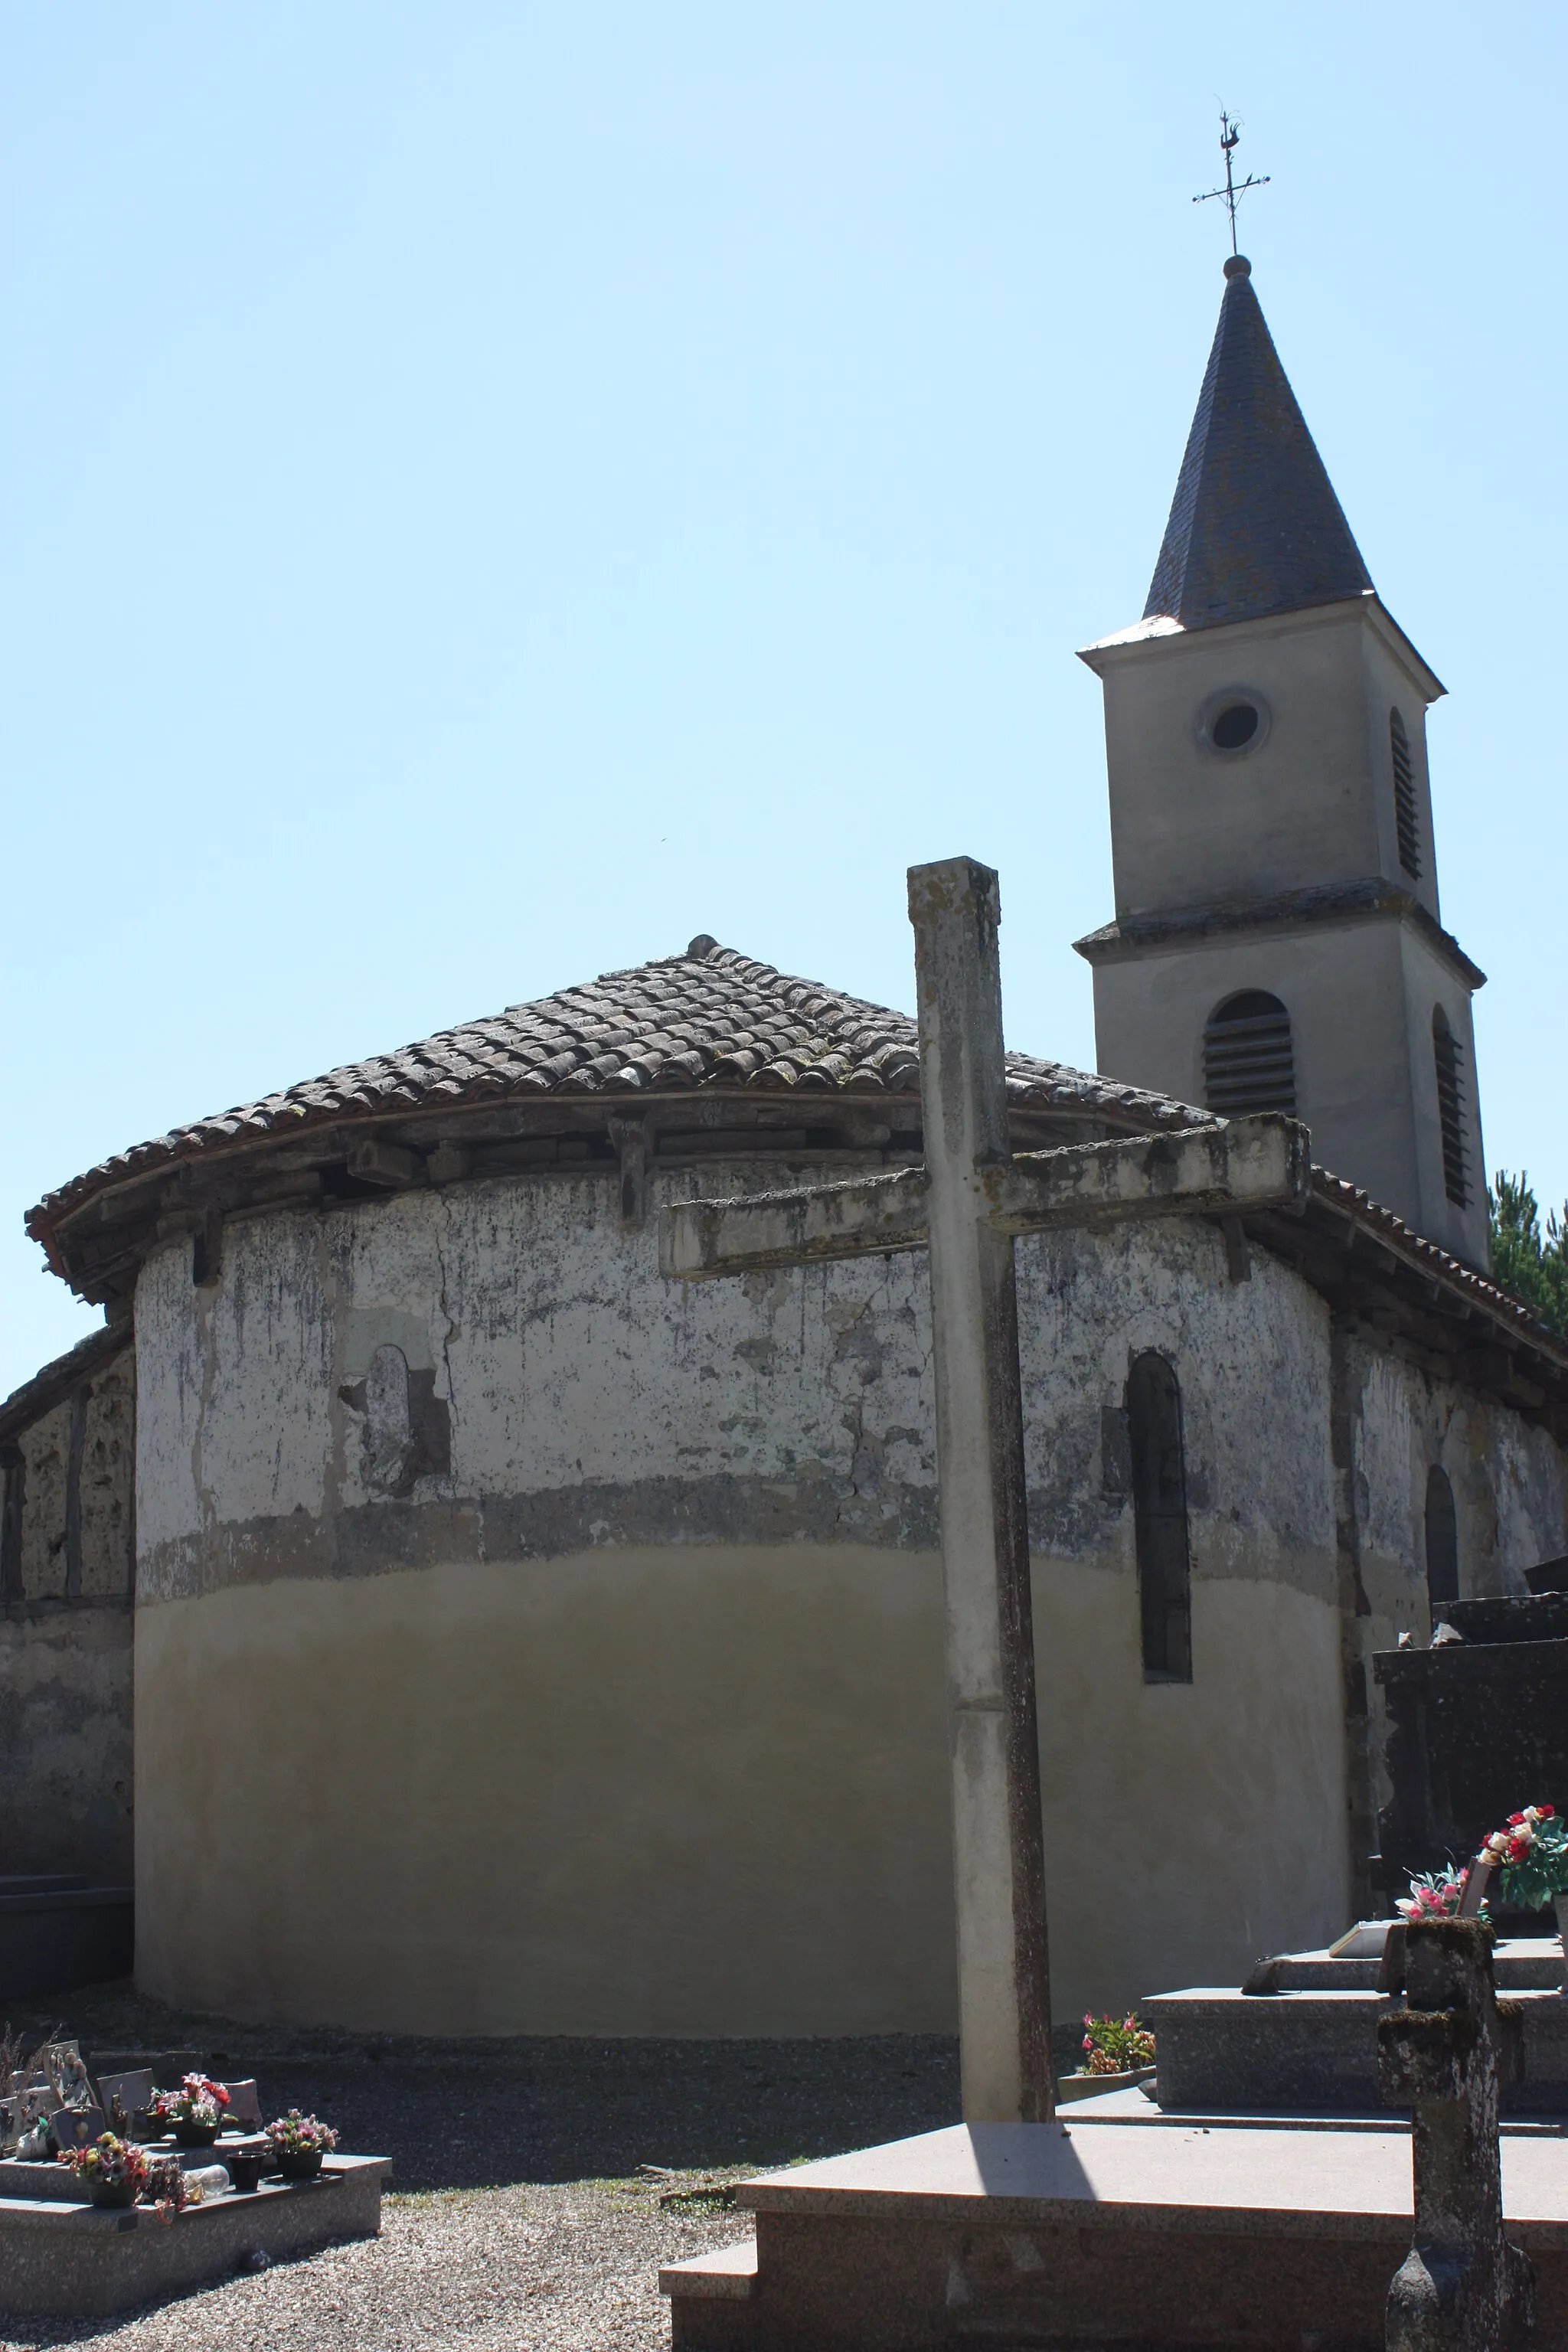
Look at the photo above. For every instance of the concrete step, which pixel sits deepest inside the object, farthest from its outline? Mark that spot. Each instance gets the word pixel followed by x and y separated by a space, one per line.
pixel 727 2275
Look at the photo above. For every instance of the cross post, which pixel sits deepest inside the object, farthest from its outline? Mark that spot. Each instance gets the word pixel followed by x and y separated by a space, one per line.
pixel 999 1861
pixel 965 1205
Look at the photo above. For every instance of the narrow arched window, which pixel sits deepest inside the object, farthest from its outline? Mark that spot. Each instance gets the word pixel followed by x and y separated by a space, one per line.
pixel 1449 1056
pixel 1160 1508
pixel 1442 1543
pixel 387 1440
pixel 1406 826
pixel 1248 1061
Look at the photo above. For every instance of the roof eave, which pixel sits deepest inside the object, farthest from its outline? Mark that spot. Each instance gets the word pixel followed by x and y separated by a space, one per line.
pixel 1162 636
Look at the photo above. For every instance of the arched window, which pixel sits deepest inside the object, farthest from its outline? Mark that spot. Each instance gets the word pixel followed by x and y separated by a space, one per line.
pixel 1160 1508
pixel 1248 1063
pixel 1442 1543
pixel 1449 1056
pixel 388 1430
pixel 1405 820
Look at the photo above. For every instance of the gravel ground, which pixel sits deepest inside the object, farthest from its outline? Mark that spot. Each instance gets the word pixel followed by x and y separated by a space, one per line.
pixel 489 2270
pixel 516 2216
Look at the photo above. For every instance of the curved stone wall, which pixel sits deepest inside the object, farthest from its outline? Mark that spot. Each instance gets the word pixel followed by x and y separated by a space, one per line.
pixel 524 1645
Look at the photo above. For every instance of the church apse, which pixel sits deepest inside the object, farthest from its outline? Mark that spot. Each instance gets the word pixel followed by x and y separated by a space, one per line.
pixel 647 1674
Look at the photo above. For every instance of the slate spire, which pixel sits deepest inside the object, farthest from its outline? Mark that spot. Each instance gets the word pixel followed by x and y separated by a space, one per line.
pixel 1254 526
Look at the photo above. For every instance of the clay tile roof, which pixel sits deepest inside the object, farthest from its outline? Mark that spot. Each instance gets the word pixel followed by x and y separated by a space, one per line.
pixel 708 1018
pixel 713 1018
pixel 1254 525
pixel 1338 1193
pixel 46 1388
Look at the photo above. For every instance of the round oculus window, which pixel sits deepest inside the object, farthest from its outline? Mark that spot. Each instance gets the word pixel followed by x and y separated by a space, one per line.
pixel 1236 725
pixel 1235 721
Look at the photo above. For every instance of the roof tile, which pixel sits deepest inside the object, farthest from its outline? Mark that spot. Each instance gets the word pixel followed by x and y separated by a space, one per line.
pixel 716 1019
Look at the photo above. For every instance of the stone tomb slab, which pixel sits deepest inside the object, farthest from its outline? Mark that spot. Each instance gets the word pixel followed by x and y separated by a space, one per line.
pixel 1286 2050
pixel 1519 1964
pixel 1258 2239
pixel 67 2259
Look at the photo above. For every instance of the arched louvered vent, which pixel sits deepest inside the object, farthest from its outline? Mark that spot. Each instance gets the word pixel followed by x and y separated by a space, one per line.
pixel 1449 1055
pixel 1404 821
pixel 1249 1064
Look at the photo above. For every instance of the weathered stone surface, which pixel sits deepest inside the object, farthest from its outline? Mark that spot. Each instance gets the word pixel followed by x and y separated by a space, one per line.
pixel 1478 1728
pixel 1316 2052
pixel 67 1453
pixel 1447 2053
pixel 643 1492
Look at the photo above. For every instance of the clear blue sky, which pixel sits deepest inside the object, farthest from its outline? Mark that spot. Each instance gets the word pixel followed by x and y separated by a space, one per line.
pixel 490 491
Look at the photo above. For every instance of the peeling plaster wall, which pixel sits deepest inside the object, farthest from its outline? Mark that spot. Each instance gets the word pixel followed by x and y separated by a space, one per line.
pixel 624 1713
pixel 1510 1496
pixel 66 1640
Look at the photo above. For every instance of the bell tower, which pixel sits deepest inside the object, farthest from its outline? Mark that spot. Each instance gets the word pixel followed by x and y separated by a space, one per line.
pixel 1277 942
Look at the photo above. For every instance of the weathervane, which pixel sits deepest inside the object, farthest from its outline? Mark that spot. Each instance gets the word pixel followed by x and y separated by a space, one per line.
pixel 1231 194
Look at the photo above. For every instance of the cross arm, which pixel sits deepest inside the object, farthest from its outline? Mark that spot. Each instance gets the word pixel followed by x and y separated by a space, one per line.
pixel 1262 1161
pixel 868 1215
pixel 1227 1169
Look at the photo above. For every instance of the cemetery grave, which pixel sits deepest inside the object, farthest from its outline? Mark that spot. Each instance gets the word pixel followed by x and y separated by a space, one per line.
pixel 538 2184
pixel 118 2188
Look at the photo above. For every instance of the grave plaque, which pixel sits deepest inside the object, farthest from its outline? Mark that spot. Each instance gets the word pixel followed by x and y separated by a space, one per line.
pixel 243 2112
pixel 78 2127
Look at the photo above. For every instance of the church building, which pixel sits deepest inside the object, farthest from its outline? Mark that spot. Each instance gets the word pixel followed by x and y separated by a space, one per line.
pixel 468 1629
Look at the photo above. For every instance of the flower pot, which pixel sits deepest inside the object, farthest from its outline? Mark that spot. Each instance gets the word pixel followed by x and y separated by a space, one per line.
pixel 116 2193
pixel 300 2164
pixel 195 2135
pixel 1561 1904
pixel 1094 2086
pixel 245 2172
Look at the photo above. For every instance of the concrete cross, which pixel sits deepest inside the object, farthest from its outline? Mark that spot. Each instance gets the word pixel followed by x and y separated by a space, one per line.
pixel 966 1205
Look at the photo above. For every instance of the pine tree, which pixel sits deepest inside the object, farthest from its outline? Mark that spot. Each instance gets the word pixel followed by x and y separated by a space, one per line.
pixel 1532 1264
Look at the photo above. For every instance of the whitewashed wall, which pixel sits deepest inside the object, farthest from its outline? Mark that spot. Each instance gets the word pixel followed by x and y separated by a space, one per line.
pixel 630 1719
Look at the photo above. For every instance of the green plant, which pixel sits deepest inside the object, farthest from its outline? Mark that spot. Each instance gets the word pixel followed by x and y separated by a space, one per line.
pixel 1116 2045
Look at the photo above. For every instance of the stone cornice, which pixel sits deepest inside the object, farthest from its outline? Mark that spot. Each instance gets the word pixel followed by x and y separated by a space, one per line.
pixel 1163 638
pixel 1368 899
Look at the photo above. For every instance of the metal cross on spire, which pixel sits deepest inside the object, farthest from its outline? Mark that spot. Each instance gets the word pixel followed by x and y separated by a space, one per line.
pixel 1232 191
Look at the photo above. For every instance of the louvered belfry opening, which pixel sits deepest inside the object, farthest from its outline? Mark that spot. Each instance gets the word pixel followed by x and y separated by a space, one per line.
pixel 1248 1061
pixel 1449 1055
pixel 1405 823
